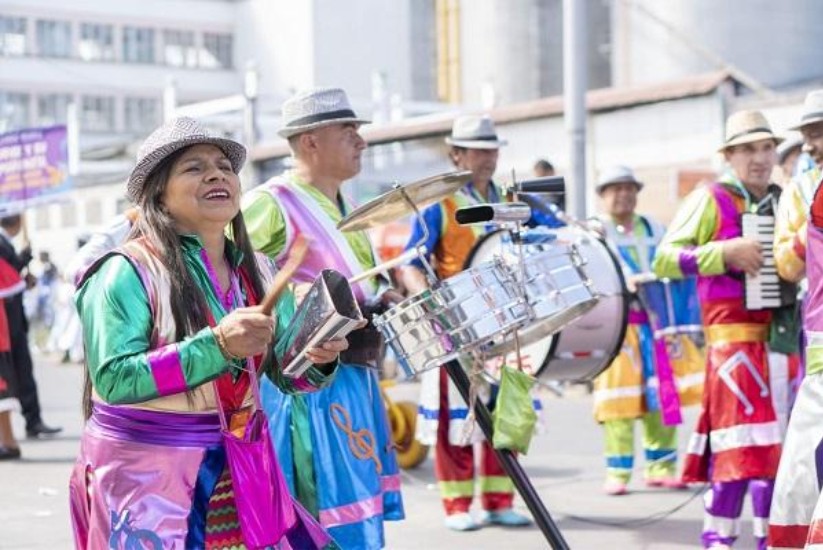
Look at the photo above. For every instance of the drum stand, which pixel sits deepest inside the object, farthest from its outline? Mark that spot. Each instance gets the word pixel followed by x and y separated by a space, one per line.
pixel 507 458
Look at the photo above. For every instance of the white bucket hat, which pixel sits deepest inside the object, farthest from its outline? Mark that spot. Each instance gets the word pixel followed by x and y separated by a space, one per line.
pixel 315 108
pixel 172 136
pixel 614 175
pixel 747 127
pixel 784 149
pixel 474 132
pixel 812 110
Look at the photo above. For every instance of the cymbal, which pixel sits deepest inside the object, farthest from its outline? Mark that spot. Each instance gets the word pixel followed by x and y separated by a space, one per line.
pixel 392 205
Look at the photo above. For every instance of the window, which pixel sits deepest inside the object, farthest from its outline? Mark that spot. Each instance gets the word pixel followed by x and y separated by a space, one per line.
pixel 178 49
pixel 94 212
pixel 14 111
pixel 42 217
pixel 138 45
pixel 97 114
pixel 12 36
pixel 141 113
pixel 53 38
pixel 52 108
pixel 122 205
pixel 96 42
pixel 68 217
pixel 217 51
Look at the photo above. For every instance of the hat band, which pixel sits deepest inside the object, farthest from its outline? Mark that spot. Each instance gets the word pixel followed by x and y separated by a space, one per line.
pixel 807 116
pixel 747 132
pixel 322 117
pixel 492 137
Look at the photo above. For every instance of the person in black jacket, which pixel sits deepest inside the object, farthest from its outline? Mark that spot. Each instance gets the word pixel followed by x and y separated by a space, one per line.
pixel 24 385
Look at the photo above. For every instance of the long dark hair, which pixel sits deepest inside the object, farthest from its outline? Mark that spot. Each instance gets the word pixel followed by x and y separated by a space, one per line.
pixel 158 228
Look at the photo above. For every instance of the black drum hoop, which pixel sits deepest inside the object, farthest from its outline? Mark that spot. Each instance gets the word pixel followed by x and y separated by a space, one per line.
pixel 627 298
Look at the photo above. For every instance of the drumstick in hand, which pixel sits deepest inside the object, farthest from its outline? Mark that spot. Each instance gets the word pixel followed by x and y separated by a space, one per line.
pixel 296 256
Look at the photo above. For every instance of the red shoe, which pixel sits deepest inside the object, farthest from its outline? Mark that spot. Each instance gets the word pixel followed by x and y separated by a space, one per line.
pixel 615 488
pixel 667 482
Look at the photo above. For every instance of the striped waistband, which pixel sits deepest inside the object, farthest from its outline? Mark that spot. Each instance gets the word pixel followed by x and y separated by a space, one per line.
pixel 736 332
pixel 154 427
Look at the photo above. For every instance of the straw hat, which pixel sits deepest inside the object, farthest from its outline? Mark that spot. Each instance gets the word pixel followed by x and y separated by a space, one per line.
pixel 474 132
pixel 747 127
pixel 812 109
pixel 172 136
pixel 316 108
pixel 614 175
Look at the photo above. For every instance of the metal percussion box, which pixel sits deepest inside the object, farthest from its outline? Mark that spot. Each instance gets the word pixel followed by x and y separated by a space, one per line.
pixel 328 311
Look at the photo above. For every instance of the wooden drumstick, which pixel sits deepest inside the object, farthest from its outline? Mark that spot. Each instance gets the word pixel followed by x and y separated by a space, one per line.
pixel 296 256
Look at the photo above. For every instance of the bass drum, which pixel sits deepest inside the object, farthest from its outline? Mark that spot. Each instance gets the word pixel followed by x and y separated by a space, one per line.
pixel 587 345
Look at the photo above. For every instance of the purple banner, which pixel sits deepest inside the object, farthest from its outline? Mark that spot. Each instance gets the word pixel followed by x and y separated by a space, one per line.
pixel 34 167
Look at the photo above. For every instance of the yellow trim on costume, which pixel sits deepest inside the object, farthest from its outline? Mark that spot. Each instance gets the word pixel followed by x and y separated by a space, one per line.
pixel 736 332
pixel 496 484
pixel 456 489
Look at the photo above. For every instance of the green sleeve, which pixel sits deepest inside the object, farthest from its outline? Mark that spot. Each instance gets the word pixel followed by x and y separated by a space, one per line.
pixel 264 222
pixel 687 248
pixel 117 323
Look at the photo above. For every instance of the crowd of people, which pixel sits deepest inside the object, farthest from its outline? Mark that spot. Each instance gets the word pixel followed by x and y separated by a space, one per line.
pixel 174 319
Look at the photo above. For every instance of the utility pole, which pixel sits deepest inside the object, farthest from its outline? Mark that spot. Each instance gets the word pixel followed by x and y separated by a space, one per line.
pixel 575 72
pixel 251 90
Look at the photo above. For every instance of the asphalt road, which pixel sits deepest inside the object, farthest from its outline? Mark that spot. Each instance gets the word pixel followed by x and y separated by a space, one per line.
pixel 564 464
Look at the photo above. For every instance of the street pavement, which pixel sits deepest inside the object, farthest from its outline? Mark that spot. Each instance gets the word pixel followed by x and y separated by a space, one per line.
pixel 564 464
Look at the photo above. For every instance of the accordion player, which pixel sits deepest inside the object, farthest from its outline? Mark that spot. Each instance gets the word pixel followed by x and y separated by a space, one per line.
pixel 766 290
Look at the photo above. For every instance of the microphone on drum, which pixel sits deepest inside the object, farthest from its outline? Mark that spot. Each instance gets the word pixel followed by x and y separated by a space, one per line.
pixel 555 185
pixel 510 212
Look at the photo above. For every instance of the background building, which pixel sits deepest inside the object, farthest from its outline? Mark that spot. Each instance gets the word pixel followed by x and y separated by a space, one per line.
pixel 411 65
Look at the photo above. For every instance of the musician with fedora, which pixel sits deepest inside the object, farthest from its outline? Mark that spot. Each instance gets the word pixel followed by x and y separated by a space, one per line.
pixel 797 487
pixel 629 389
pixel 790 222
pixel 736 443
pixel 474 146
pixel 335 446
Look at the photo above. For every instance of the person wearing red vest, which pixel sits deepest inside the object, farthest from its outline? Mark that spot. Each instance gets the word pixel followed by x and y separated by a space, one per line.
pixel 10 285
pixel 442 412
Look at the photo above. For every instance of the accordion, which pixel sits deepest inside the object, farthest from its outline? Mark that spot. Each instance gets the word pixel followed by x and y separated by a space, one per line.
pixel 766 290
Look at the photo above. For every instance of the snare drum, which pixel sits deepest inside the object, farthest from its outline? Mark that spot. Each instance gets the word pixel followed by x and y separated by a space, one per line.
pixel 466 311
pixel 555 283
pixel 588 344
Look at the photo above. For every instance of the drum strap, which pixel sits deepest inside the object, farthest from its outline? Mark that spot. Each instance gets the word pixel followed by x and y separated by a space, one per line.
pixel 625 252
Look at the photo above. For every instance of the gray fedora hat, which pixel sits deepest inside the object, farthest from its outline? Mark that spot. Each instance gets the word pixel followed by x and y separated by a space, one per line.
pixel 316 108
pixel 812 110
pixel 614 175
pixel 475 132
pixel 169 138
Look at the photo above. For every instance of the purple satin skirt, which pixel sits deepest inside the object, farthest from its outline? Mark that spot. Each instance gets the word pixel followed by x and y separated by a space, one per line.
pixel 138 477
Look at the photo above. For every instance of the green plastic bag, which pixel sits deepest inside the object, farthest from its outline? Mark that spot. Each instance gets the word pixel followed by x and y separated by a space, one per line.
pixel 514 417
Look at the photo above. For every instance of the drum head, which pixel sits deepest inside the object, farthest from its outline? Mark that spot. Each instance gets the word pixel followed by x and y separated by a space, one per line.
pixel 587 345
pixel 534 356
